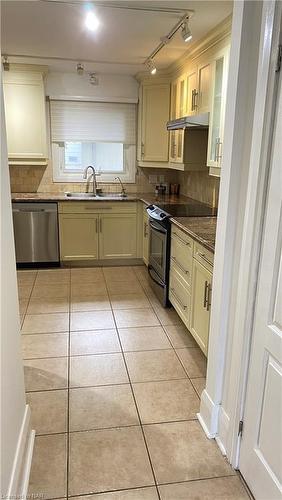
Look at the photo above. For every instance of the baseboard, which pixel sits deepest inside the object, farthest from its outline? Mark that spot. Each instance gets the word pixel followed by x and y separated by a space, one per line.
pixel 220 445
pixel 223 429
pixel 22 461
pixel 104 263
pixel 208 416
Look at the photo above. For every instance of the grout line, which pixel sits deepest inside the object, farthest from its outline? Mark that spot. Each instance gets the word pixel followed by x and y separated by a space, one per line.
pixel 68 393
pixel 137 410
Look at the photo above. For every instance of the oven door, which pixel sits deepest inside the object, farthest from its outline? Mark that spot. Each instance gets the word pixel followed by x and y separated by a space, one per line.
pixel 158 249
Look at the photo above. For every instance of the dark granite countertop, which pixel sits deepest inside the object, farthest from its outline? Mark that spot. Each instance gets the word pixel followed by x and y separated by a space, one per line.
pixel 201 229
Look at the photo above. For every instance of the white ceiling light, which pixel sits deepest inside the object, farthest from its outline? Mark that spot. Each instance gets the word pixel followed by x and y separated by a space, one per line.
pixel 151 66
pixel 91 21
pixel 186 32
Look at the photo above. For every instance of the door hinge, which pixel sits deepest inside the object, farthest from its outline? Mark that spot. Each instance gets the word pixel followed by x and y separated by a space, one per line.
pixel 240 429
pixel 279 58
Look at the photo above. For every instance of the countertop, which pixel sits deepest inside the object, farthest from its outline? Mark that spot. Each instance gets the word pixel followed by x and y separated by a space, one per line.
pixel 148 198
pixel 201 229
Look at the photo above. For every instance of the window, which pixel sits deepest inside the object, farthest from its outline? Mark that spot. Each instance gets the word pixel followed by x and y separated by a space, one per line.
pixel 98 134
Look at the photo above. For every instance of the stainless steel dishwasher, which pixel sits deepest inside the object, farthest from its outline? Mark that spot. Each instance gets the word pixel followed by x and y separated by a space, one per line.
pixel 36 232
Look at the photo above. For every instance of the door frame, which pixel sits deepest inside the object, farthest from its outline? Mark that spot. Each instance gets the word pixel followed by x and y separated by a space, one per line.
pixel 240 218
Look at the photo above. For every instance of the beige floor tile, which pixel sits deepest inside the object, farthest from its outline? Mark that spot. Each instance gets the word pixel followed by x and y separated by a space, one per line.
pixel 45 374
pixel 120 461
pixel 82 289
pixel 167 316
pixel 199 384
pixel 143 338
pixel 130 301
pixel 53 276
pixel 141 273
pixel 114 274
pixel 194 361
pixel 166 401
pixel 48 411
pixel 86 275
pixel 150 366
pixel 100 407
pixel 47 305
pixel 55 291
pixel 102 369
pixel 95 303
pixel 148 493
pixel 26 277
pixel 46 323
pixel 128 318
pixel 41 345
pixel 94 342
pixel 122 287
pixel 223 488
pixel 49 467
pixel 180 451
pixel 180 336
pixel 92 320
pixel 24 291
pixel 23 303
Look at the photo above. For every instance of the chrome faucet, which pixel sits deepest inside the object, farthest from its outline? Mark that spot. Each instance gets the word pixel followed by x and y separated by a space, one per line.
pixel 123 193
pixel 94 186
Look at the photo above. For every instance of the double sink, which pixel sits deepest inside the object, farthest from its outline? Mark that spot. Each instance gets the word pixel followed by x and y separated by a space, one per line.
pixel 107 196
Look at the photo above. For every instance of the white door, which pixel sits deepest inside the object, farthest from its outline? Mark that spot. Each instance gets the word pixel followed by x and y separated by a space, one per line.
pixel 261 445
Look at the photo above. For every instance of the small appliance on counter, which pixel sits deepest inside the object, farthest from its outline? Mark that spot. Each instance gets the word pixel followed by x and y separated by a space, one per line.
pixel 36 233
pixel 159 249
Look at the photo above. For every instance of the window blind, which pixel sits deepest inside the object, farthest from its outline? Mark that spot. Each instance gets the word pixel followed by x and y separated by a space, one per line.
pixel 93 121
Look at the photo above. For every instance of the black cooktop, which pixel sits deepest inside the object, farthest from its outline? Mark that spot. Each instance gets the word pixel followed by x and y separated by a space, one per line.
pixel 188 210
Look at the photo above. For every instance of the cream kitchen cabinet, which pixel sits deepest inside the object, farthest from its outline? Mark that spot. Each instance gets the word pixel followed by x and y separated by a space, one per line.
pixel 200 307
pixel 191 90
pixel 25 112
pixel 153 137
pixel 145 236
pixel 217 116
pixel 78 237
pixel 188 149
pixel 97 230
pixel 117 236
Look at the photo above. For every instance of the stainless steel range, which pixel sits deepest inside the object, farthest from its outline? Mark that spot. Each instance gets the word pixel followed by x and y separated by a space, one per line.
pixel 159 249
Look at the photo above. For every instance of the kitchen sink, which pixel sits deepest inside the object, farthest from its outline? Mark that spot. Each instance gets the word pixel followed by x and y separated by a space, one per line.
pixel 96 196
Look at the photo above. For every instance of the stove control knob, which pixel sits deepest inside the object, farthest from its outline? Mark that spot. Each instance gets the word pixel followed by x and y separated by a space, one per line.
pixel 162 215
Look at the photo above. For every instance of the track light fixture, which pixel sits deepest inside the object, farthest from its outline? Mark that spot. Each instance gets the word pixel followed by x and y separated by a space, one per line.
pixel 151 66
pixel 186 32
pixel 80 69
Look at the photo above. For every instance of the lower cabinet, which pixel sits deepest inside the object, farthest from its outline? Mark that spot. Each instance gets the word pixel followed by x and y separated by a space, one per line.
pixel 91 231
pixel 145 237
pixel 117 236
pixel 200 310
pixel 78 237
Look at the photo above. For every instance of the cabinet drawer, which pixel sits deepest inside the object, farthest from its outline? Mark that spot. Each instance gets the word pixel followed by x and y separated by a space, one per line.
pixel 94 207
pixel 181 255
pixel 204 256
pixel 182 237
pixel 180 297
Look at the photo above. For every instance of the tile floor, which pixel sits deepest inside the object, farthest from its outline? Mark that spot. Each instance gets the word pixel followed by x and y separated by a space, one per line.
pixel 113 381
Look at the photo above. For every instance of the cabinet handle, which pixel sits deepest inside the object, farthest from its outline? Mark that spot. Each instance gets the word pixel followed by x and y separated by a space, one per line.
pixel 142 148
pixel 145 229
pixel 194 95
pixel 179 265
pixel 209 297
pixel 192 102
pixel 202 255
pixel 217 154
pixel 205 294
pixel 96 225
pixel 100 225
pixel 178 299
pixel 181 239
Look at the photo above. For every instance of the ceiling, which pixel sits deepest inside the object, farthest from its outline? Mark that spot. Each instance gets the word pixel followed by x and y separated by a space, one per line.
pixel 55 30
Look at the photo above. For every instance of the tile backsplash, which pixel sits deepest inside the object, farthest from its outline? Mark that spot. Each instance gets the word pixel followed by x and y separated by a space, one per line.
pixel 198 185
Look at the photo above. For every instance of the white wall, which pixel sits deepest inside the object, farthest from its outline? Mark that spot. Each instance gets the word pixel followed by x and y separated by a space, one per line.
pixel 14 412
pixel 118 88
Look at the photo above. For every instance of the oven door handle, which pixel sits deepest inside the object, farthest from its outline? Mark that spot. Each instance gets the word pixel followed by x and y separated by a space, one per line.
pixel 156 228
pixel 154 279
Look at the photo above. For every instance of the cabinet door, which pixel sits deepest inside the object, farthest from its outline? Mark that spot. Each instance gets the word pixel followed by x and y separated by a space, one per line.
pixel 25 117
pixel 172 145
pixel 215 142
pixel 78 237
pixel 155 114
pixel 204 87
pixel 145 237
pixel 173 100
pixel 191 90
pixel 181 111
pixel 201 296
pixel 117 236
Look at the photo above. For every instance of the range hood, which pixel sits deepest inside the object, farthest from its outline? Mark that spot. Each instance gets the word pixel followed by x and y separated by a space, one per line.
pixel 201 121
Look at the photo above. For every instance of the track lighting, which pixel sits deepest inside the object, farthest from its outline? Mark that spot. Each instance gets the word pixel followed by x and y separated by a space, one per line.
pixel 186 32
pixel 80 69
pixel 91 21
pixel 6 64
pixel 151 67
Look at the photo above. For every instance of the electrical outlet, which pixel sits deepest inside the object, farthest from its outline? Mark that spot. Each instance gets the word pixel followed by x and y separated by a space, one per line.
pixel 161 178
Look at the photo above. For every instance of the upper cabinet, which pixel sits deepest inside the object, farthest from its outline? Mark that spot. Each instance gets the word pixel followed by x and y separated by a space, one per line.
pixel 154 108
pixel 217 114
pixel 24 99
